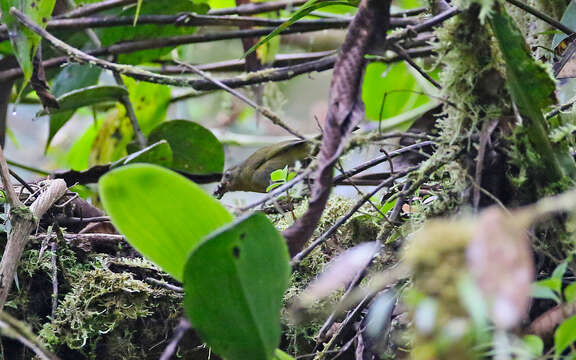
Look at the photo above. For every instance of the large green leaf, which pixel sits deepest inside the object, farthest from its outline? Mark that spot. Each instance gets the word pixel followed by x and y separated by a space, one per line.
pixel 195 149
pixel 158 153
pixel 72 77
pixel 87 96
pixel 162 214
pixel 391 91
pixel 234 282
pixel 24 41
pixel 531 89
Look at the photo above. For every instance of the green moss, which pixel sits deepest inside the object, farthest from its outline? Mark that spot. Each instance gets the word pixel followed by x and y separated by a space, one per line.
pixel 101 302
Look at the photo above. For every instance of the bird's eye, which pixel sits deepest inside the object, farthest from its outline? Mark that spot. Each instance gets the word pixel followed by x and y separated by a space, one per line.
pixel 227 175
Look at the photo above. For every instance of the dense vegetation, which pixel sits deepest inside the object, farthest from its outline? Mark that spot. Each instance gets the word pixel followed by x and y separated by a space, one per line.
pixel 420 205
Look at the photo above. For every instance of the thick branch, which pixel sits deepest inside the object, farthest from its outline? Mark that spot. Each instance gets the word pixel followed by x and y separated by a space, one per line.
pixel 23 221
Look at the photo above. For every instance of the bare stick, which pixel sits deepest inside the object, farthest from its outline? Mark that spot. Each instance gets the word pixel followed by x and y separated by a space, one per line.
pixel 125 100
pixel 404 54
pixel 192 20
pixel 301 255
pixel 180 330
pixel 262 110
pixel 556 24
pixel 89 9
pixel 54 263
pixel 380 159
pixel 79 56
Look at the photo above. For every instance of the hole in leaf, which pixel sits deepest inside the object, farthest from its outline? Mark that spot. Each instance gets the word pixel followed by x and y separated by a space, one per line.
pixel 236 252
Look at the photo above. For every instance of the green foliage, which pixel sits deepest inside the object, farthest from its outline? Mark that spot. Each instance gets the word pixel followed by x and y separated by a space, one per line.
pixel 195 149
pixel 150 102
pixel 88 96
pixel 534 344
pixel 303 11
pixel 71 78
pixel 281 355
pixel 158 153
pixel 531 89
pixel 280 177
pixel 112 35
pixel 161 213
pixel 393 95
pixel 564 336
pixel 238 276
pixel 24 41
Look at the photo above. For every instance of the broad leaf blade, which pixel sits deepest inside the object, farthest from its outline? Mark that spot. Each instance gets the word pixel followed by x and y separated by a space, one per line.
pixel 158 153
pixel 161 213
pixel 234 283
pixel 24 41
pixel 531 89
pixel 195 149
pixel 72 77
pixel 87 96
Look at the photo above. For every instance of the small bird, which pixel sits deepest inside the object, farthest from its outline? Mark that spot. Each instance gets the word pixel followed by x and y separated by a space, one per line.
pixel 254 173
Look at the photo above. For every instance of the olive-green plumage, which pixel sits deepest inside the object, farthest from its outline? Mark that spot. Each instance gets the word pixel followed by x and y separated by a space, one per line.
pixel 254 173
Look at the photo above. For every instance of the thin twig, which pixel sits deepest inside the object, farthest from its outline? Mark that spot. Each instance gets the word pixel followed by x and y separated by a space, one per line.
pixel 322 238
pixel 192 20
pixel 280 189
pixel 77 220
pixel 238 65
pixel 21 181
pixel 276 120
pixel 54 264
pixel 179 332
pixel 554 23
pixel 425 25
pixel 561 108
pixel 380 159
pixel 404 54
pixel 28 168
pixel 164 284
pixel 258 7
pixel 125 100
pixel 90 9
